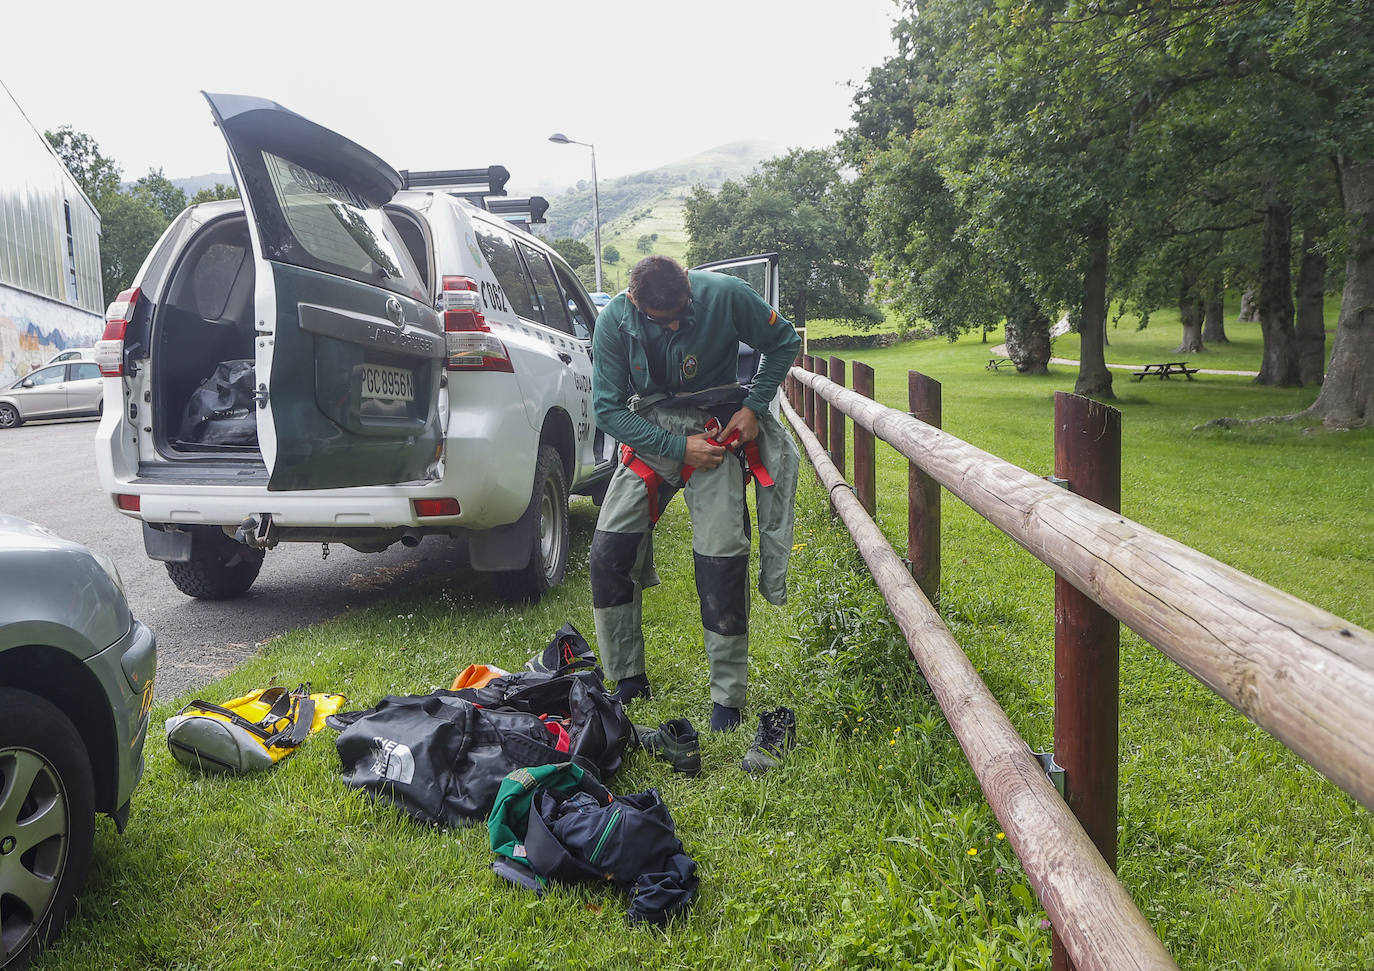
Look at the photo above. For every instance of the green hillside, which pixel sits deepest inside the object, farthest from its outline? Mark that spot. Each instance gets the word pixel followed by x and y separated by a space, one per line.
pixel 648 203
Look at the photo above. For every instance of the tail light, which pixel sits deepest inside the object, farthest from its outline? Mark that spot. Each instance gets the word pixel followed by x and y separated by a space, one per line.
pixel 471 344
pixel 109 350
pixel 426 508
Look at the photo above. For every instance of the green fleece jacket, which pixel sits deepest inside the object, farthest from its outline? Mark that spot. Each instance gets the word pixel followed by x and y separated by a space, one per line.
pixel 634 356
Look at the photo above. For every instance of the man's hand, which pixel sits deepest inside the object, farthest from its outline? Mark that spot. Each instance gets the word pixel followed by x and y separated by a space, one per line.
pixel 701 454
pixel 746 422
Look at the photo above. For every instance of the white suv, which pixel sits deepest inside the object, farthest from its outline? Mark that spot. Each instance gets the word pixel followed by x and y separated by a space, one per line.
pixel 336 360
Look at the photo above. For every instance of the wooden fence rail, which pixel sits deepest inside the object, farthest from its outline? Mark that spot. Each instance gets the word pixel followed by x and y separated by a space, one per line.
pixel 1304 675
pixel 1091 912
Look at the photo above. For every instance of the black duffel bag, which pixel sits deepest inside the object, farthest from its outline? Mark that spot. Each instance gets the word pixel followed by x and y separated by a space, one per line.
pixel 441 757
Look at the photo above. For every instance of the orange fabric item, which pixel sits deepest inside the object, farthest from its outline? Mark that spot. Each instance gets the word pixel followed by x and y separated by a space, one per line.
pixel 477 676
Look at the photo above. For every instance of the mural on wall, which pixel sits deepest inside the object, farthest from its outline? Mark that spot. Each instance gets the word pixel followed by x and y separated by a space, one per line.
pixel 33 329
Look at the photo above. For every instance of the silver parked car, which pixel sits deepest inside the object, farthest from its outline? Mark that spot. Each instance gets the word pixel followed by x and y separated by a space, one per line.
pixel 76 684
pixel 67 390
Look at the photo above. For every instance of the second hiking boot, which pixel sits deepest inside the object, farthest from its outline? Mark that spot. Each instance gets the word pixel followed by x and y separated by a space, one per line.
pixel 776 736
pixel 674 742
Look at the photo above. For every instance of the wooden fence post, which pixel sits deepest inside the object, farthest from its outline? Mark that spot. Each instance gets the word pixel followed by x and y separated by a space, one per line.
pixel 923 493
pixel 794 386
pixel 837 417
pixel 1087 452
pixel 808 396
pixel 821 425
pixel 865 484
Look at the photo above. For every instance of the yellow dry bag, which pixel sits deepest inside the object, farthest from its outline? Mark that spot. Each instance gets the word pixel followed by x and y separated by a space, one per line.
pixel 249 733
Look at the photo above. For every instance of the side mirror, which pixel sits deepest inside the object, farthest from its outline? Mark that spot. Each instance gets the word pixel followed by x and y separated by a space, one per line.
pixel 28 383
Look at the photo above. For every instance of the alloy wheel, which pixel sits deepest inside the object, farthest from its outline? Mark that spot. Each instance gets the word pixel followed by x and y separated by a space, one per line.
pixel 35 834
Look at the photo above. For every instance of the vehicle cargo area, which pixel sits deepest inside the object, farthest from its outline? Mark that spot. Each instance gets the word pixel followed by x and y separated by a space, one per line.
pixel 202 348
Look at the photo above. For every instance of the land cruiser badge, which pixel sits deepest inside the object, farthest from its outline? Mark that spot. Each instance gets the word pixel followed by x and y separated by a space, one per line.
pixel 689 367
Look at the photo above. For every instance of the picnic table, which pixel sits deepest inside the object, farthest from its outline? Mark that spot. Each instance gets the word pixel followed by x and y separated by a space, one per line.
pixel 1162 371
pixel 995 363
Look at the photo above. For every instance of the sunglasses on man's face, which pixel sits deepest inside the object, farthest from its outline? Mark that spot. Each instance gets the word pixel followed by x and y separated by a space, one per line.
pixel 663 319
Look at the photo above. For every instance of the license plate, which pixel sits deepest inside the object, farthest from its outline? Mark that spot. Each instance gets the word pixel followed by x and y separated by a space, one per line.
pixel 388 383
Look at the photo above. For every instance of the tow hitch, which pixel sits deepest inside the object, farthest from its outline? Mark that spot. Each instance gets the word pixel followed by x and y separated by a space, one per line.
pixel 256 531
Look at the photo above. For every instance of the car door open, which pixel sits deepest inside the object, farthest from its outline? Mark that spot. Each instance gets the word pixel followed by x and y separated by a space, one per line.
pixel 348 349
pixel 761 273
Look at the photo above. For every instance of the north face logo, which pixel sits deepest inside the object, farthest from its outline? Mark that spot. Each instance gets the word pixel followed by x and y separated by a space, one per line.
pixel 392 760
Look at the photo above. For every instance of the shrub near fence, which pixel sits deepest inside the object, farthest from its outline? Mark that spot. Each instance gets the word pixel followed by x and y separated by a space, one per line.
pixel 1301 673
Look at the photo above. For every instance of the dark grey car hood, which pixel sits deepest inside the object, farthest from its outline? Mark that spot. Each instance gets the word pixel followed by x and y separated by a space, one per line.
pixel 54 592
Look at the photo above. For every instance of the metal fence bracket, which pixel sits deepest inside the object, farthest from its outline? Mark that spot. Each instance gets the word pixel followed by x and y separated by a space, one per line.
pixel 1052 769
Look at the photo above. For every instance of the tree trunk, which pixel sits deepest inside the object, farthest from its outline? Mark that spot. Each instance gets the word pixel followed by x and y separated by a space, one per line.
pixel 1311 322
pixel 1347 395
pixel 1094 379
pixel 1190 312
pixel 1249 312
pixel 1214 318
pixel 1028 330
pixel 1279 365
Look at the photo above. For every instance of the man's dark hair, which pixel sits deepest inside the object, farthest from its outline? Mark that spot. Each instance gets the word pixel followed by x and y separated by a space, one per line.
pixel 659 283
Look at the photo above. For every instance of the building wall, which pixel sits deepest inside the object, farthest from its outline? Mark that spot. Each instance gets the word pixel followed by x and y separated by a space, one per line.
pixel 50 286
pixel 33 329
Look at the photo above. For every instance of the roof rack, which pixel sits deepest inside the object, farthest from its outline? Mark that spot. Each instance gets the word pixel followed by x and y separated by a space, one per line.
pixel 477 186
pixel 471 184
pixel 521 212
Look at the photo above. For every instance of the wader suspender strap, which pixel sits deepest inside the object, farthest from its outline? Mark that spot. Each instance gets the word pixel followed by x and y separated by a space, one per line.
pixel 651 479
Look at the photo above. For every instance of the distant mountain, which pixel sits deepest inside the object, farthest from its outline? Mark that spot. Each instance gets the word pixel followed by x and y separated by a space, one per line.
pixel 193 184
pixel 633 197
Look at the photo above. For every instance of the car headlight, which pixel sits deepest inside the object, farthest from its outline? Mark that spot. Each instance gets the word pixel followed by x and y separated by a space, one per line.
pixel 110 569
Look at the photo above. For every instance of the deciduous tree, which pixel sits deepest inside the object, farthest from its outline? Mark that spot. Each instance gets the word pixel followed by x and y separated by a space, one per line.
pixel 799 206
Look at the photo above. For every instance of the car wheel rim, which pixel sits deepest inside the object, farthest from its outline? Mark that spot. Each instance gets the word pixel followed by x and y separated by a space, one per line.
pixel 550 530
pixel 6 417
pixel 34 836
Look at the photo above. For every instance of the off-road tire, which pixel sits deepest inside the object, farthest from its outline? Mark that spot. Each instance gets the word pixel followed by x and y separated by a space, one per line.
pixel 547 522
pixel 220 568
pixel 9 416
pixel 44 769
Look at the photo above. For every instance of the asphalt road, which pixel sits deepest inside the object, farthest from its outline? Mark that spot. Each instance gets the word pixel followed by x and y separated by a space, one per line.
pixel 47 474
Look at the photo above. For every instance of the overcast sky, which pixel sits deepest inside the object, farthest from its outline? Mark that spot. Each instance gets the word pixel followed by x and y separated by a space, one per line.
pixel 447 85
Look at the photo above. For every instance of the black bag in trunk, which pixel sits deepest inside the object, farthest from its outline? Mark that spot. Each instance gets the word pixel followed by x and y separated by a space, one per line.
pixel 220 411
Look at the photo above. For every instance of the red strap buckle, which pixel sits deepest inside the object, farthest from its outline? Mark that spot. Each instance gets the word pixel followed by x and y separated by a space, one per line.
pixel 751 453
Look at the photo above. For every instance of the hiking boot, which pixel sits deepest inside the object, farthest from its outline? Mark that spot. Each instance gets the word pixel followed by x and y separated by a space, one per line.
pixel 776 736
pixel 635 686
pixel 674 742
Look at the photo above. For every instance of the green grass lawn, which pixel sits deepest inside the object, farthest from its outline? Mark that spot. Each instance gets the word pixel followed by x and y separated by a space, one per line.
pixel 872 845
pixel 1127 343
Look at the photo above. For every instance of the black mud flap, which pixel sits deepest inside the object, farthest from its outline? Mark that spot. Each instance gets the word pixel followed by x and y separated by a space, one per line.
pixel 503 547
pixel 168 545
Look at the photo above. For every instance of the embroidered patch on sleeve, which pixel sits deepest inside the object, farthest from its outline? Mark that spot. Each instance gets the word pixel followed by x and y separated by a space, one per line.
pixel 772 318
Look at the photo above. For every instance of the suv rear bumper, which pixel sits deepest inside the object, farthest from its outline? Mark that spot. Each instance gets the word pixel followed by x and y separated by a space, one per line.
pixel 490 478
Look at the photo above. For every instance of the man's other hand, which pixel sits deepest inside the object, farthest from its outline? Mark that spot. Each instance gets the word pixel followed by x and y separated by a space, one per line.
pixel 701 454
pixel 746 422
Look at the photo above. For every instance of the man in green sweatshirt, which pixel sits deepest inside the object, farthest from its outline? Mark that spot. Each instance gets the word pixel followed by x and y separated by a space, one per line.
pixel 665 362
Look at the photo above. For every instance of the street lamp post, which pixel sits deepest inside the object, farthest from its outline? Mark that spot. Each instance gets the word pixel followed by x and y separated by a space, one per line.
pixel 562 139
